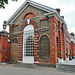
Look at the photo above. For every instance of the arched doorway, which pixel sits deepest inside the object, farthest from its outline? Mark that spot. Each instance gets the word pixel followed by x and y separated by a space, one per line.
pixel 28 44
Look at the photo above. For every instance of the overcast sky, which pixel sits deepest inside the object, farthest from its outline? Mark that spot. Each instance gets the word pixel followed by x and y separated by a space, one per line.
pixel 67 10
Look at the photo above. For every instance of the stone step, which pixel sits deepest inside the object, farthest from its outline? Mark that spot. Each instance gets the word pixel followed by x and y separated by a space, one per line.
pixel 25 65
pixel 66 67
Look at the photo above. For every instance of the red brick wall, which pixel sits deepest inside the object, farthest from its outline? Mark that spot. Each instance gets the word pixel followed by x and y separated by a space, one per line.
pixel 4 49
pixel 63 44
pixel 8 52
pixel 59 39
pixel 72 49
pixel 10 31
pixel 53 46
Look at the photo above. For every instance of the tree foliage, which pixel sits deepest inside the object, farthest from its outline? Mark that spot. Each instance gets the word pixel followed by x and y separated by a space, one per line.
pixel 3 2
pixel 72 34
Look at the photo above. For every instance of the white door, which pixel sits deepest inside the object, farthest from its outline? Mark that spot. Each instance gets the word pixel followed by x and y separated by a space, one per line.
pixel 28 44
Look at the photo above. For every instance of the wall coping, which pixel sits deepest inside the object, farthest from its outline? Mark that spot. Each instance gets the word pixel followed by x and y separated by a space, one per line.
pixel 4 32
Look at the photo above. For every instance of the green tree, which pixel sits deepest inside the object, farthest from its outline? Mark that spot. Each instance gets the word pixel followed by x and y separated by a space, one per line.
pixel 72 34
pixel 3 2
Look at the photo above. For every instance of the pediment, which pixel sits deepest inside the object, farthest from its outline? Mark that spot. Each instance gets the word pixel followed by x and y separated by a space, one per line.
pixel 25 5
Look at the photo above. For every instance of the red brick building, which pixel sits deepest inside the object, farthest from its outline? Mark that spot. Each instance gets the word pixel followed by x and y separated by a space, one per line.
pixel 38 34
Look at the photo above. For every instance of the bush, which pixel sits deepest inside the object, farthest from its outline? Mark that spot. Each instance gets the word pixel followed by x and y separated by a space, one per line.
pixel 59 53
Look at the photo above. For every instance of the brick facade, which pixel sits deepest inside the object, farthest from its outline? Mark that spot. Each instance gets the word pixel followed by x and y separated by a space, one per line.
pixel 49 25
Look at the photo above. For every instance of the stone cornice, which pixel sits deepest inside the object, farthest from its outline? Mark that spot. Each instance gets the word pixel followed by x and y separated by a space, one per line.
pixel 51 14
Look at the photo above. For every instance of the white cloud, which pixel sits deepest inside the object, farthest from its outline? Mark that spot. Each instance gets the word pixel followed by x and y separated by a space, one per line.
pixel 69 21
pixel 68 8
pixel 51 3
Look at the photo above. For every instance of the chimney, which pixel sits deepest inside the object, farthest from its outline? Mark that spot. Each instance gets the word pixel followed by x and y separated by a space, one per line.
pixel 58 10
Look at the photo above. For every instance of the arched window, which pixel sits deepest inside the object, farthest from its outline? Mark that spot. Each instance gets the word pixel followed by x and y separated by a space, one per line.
pixel 44 47
pixel 30 46
pixel 15 40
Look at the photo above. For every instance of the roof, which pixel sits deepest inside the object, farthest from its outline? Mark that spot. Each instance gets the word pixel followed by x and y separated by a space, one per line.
pixel 31 3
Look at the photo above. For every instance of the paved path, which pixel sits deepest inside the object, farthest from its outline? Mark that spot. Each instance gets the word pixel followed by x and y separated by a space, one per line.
pixel 70 62
pixel 11 70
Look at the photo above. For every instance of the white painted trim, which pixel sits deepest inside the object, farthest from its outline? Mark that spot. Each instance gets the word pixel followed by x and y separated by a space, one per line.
pixel 37 62
pixel 51 14
pixel 8 40
pixel 26 29
pixel 28 21
pixel 23 62
pixel 19 61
